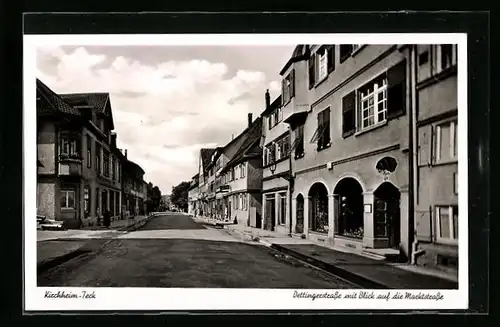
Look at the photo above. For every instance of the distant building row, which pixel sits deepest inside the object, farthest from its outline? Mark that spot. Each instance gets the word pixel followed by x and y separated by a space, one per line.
pixel 81 172
pixel 359 150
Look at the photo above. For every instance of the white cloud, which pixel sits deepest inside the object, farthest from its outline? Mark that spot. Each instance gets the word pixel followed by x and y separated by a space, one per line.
pixel 163 113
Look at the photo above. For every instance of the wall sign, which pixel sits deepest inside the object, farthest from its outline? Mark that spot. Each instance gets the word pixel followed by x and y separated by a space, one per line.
pixel 368 208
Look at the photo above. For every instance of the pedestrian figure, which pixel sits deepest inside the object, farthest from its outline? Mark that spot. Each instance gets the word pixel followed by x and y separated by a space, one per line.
pixel 107 218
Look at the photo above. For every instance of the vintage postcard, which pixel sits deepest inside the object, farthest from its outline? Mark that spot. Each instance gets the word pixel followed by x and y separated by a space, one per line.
pixel 245 172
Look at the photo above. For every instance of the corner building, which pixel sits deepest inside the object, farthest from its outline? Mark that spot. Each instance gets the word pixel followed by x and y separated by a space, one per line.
pixel 350 145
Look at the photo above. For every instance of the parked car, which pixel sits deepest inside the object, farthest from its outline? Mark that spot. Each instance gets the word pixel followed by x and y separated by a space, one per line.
pixel 48 224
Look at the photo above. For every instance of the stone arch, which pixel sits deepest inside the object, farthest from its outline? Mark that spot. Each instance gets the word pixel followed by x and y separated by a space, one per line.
pixel 349 201
pixel 350 175
pixel 318 207
pixel 320 181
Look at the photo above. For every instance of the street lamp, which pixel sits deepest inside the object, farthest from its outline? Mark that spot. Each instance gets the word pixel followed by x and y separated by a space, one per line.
pixel 272 167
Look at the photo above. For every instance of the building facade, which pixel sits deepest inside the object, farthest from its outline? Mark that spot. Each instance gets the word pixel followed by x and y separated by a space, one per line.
pixel 276 174
pixel 240 179
pixel 436 169
pixel 79 171
pixel 193 196
pixel 134 189
pixel 351 173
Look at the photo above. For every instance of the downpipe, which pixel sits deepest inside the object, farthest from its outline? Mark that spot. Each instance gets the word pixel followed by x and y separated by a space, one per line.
pixel 414 252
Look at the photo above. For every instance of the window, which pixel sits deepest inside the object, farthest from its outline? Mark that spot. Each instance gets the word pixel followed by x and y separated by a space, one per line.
pixel 89 151
pixel 105 163
pixel 236 172
pixel 67 146
pixel 446 142
pixel 86 201
pixel 242 170
pixel 67 199
pixel 98 158
pixel 447 56
pixel 356 47
pixel 298 143
pixel 423 58
pixel 275 117
pixel 345 52
pixel 373 102
pixel 321 64
pixel 113 167
pixel 282 209
pixel 322 134
pixel 240 203
pixel 381 99
pixel 118 171
pixel 282 147
pixel 447 224
pixel 270 153
pixel 288 87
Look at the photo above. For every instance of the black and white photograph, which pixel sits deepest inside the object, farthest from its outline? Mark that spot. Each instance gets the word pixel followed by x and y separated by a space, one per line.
pixel 246 171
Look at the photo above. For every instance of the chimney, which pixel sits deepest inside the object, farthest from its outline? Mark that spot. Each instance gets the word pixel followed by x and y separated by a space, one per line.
pixel 125 153
pixel 268 99
pixel 232 136
pixel 249 119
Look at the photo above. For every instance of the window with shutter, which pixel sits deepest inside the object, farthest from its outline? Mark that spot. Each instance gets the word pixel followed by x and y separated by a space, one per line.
pixel 396 90
pixel 321 56
pixel 330 51
pixel 312 70
pixel 348 114
pixel 345 52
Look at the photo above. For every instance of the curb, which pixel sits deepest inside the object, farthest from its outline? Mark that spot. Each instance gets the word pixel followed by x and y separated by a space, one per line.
pixel 136 225
pixel 342 273
pixel 51 263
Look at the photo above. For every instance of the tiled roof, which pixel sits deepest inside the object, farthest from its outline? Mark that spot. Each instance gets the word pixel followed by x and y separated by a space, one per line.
pixel 50 102
pixel 206 156
pixel 252 136
pixel 96 100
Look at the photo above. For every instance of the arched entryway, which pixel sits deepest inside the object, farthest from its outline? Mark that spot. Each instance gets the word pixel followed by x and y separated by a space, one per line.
pixel 387 214
pixel 349 197
pixel 318 208
pixel 299 224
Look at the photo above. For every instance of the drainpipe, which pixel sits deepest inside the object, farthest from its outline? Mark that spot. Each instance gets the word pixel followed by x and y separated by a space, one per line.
pixel 291 188
pixel 413 145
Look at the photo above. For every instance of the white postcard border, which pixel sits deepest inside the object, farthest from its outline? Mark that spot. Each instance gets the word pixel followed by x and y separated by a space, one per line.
pixel 228 299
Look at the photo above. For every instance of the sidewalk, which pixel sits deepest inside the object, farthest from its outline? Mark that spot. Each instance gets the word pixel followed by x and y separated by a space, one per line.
pixel 349 264
pixel 54 251
pixel 118 224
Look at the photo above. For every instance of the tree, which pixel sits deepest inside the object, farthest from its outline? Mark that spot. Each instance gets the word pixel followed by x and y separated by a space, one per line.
pixel 154 198
pixel 179 195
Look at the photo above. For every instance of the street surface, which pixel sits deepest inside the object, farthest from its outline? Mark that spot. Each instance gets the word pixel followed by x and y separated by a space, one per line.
pixel 174 251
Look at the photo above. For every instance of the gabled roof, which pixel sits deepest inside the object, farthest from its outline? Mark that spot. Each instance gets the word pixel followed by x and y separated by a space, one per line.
pixel 51 103
pixel 301 52
pixel 97 100
pixel 252 137
pixel 206 156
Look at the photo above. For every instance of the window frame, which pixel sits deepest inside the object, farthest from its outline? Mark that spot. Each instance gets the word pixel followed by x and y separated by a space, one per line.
pixel 282 208
pixel 375 94
pixel 453 239
pixel 453 148
pixel 438 64
pixel 66 192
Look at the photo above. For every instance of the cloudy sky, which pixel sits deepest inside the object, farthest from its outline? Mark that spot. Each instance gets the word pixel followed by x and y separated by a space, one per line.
pixel 168 102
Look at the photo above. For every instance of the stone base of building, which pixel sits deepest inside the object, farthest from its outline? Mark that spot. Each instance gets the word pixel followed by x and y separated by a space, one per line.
pixel 437 256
